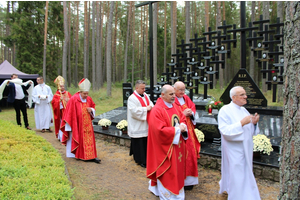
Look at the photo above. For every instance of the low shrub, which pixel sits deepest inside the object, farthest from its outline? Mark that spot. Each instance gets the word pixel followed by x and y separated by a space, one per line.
pixel 30 168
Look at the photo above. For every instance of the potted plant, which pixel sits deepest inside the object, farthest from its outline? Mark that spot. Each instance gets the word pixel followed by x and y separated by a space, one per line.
pixel 105 123
pixel 261 145
pixel 122 125
pixel 199 135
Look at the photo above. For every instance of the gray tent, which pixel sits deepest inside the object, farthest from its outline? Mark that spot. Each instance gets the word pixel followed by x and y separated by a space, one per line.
pixel 6 70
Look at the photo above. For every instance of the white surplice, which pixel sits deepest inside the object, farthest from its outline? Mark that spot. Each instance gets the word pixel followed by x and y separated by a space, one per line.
pixel 42 96
pixel 237 154
pixel 137 116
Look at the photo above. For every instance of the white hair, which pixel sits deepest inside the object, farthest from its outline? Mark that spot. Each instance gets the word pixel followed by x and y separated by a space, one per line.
pixel 232 91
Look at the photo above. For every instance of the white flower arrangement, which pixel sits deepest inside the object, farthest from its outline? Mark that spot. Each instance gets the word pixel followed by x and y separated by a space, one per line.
pixel 199 135
pixel 104 122
pixel 122 125
pixel 262 144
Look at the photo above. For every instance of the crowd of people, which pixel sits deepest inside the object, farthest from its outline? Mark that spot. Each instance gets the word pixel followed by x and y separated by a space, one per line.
pixel 163 139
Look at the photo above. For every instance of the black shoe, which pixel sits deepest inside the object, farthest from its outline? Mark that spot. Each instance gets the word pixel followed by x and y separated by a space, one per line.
pixel 143 165
pixel 188 187
pixel 96 160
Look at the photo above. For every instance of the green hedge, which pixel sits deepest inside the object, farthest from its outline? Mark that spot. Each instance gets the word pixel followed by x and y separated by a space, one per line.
pixel 30 168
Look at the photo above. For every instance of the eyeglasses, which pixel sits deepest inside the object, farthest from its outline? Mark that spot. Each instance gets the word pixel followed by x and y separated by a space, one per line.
pixel 181 90
pixel 241 95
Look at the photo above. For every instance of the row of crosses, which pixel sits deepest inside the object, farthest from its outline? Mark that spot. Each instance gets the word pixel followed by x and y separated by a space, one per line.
pixel 197 62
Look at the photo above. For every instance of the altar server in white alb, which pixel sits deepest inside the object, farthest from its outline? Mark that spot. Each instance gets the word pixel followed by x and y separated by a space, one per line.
pixel 42 96
pixel 237 127
pixel 138 108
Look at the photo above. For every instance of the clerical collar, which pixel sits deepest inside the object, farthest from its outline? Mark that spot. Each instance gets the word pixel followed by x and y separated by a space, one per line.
pixel 181 100
pixel 82 100
pixel 169 105
pixel 63 91
pixel 142 95
pixel 42 84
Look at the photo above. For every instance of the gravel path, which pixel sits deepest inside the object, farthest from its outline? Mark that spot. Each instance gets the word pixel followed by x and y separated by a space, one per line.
pixel 118 177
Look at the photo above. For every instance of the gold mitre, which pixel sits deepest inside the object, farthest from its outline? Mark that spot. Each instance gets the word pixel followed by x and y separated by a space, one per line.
pixel 84 85
pixel 59 81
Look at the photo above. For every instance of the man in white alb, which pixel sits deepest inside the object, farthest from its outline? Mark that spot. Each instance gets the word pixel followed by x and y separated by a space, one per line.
pixel 237 127
pixel 138 108
pixel 42 96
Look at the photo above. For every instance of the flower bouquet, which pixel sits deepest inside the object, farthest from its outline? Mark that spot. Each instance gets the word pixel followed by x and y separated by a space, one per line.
pixel 105 123
pixel 214 105
pixel 199 135
pixel 122 125
pixel 262 144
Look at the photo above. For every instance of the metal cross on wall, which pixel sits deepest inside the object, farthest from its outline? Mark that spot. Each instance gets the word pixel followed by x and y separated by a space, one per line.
pixel 203 63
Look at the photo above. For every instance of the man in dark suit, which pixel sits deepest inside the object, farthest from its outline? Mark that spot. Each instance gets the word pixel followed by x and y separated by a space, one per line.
pixel 16 96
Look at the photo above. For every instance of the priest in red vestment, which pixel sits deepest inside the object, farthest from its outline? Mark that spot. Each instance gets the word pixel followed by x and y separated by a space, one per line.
pixel 166 151
pixel 59 103
pixel 188 108
pixel 77 125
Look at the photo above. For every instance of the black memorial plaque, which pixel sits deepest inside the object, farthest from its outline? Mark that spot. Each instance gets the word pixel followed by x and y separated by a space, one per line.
pixel 127 91
pixel 254 96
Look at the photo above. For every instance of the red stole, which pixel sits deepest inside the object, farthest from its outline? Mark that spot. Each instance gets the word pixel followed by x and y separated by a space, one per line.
pixel 142 101
pixel 165 160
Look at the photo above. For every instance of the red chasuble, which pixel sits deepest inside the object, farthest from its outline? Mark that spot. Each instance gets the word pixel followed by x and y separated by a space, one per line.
pixel 57 112
pixel 83 138
pixel 165 160
pixel 192 144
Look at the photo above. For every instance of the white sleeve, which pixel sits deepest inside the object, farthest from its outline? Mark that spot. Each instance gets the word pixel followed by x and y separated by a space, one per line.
pixel 68 127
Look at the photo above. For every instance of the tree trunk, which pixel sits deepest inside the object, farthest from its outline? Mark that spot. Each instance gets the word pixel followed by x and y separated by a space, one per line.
pixel 93 46
pixel 101 43
pixel 142 42
pixel 88 41
pixel 98 49
pixel 146 48
pixel 69 46
pixel 173 26
pixel 280 15
pixel 65 49
pixel 6 49
pixel 45 42
pixel 127 42
pixel 76 44
pixel 133 45
pixel 187 24
pixel 155 12
pixel 266 15
pixel 115 59
pixel 289 160
pixel 85 49
pixel 108 49
pixel 221 71
pixel 165 38
pixel 207 16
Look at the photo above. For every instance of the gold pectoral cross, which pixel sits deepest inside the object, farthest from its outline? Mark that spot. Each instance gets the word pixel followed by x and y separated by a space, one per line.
pixel 179 157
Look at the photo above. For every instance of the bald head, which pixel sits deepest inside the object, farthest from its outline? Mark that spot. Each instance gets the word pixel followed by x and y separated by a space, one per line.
pixel 168 93
pixel 179 87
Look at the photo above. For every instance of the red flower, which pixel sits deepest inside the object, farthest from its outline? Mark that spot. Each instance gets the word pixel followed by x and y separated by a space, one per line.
pixel 216 103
